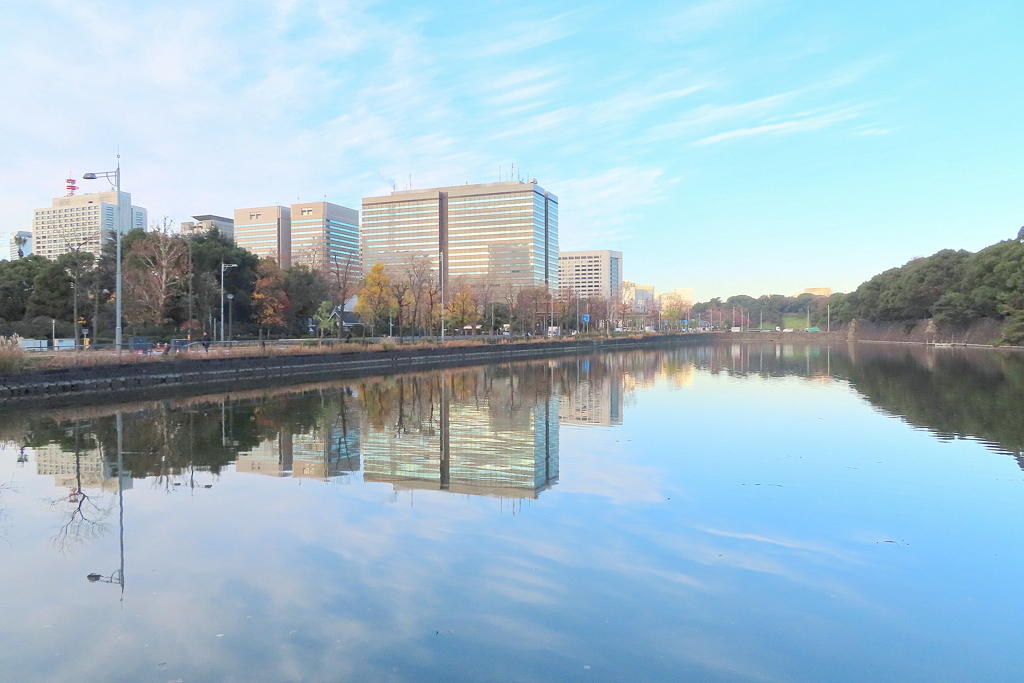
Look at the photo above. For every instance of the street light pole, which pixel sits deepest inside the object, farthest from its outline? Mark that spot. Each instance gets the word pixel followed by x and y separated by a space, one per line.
pixel 116 175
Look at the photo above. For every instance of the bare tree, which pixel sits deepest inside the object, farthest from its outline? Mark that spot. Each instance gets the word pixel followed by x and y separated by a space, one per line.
pixel 157 267
pixel 345 281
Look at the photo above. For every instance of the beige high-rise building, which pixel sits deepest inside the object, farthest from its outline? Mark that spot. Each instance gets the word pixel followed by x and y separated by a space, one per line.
pixel 501 233
pixel 266 231
pixel 84 222
pixel 206 223
pixel 325 236
pixel 596 273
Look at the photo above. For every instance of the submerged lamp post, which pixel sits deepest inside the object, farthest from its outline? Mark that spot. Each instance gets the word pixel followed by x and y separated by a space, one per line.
pixel 115 180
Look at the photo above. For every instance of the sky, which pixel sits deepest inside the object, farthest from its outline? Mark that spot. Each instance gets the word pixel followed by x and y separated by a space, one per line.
pixel 731 146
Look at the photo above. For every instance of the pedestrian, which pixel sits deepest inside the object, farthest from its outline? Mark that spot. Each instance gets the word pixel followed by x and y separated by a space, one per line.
pixel 206 342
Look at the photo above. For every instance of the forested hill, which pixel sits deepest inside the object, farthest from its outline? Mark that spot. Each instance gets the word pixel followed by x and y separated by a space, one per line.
pixel 955 287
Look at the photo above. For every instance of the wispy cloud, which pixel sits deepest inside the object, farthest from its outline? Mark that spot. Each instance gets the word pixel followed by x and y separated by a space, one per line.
pixel 522 36
pixel 792 126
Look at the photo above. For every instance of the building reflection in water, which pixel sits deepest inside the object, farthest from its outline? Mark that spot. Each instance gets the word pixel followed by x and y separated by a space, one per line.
pixel 325 449
pixel 490 431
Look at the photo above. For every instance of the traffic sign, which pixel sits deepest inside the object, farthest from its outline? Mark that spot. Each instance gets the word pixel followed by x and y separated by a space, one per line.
pixel 585 317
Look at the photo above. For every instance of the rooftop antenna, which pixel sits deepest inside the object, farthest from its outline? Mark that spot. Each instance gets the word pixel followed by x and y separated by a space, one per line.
pixel 410 181
pixel 71 185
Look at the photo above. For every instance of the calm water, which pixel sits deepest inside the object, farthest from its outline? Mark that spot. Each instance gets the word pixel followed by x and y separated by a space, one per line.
pixel 735 513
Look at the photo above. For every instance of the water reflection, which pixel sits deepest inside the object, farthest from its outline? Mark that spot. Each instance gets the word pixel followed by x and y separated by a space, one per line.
pixel 647 555
pixel 489 431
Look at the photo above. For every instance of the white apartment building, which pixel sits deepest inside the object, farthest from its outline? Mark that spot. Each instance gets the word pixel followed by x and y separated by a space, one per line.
pixel 596 273
pixel 84 222
pixel 25 249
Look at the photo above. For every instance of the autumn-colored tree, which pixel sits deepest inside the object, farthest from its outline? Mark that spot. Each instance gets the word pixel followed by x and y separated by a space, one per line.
pixel 376 301
pixel 461 309
pixel 269 299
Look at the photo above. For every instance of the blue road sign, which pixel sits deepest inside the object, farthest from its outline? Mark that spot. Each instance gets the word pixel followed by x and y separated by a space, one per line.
pixel 585 317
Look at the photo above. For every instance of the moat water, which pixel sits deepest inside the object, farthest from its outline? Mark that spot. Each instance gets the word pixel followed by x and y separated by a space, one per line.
pixel 722 513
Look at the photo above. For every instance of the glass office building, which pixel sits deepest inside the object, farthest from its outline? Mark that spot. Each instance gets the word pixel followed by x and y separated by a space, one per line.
pixel 500 233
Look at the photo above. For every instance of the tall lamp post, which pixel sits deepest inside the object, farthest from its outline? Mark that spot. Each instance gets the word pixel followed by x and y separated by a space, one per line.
pixel 223 267
pixel 114 177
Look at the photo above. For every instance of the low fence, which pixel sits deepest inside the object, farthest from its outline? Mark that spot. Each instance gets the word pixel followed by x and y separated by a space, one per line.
pixel 200 375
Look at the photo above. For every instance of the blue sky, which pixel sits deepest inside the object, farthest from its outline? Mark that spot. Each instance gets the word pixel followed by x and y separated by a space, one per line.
pixel 733 146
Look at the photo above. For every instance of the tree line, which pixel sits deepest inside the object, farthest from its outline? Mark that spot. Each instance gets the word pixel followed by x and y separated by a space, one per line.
pixel 953 287
pixel 171 285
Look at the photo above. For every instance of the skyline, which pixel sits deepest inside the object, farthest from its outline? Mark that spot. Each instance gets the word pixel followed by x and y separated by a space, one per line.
pixel 734 146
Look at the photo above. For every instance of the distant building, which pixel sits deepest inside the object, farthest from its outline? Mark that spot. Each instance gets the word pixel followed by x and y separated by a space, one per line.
pixel 502 233
pixel 25 248
pixel 206 223
pixel 84 222
pixel 591 273
pixel 685 295
pixel 265 231
pixel 325 236
pixel 320 235
pixel 643 296
pixel 818 291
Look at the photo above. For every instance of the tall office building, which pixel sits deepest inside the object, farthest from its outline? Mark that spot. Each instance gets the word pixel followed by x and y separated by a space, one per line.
pixel 19 251
pixel 206 223
pixel 596 273
pixel 501 233
pixel 266 231
pixel 83 222
pixel 325 236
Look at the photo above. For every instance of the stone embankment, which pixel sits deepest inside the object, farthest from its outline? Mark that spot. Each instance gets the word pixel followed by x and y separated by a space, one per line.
pixel 117 382
pixel 982 332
